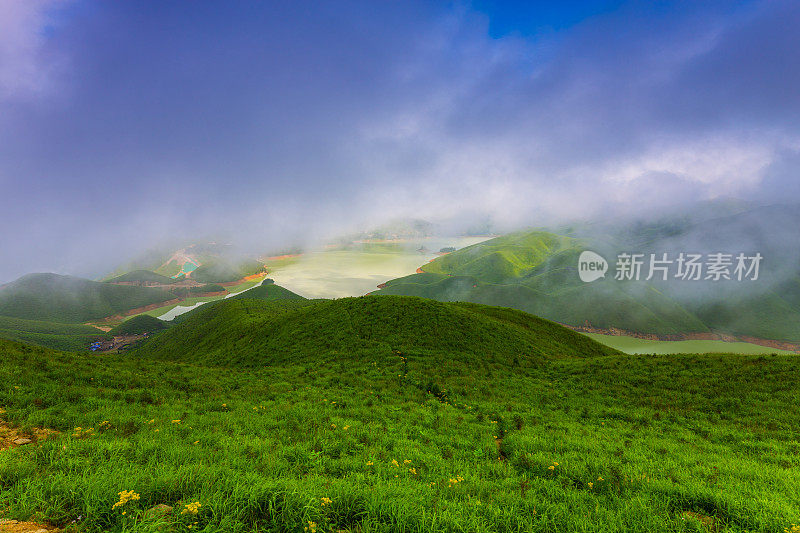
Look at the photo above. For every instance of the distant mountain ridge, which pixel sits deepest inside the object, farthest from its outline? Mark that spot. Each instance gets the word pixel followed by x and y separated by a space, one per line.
pixel 536 271
pixel 68 299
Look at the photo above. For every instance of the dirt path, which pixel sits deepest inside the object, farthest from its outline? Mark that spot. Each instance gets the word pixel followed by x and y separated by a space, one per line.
pixel 11 437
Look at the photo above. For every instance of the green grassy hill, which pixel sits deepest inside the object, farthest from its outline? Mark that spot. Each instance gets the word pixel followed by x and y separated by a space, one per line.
pixel 141 276
pixel 398 414
pixel 56 298
pixel 71 337
pixel 254 333
pixel 138 325
pixel 536 272
pixel 268 291
pixel 221 271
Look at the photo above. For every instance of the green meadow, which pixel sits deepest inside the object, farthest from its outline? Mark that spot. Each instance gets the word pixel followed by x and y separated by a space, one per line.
pixel 398 414
pixel 633 345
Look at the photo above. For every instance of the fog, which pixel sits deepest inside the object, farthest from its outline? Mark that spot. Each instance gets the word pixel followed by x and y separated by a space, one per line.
pixel 125 126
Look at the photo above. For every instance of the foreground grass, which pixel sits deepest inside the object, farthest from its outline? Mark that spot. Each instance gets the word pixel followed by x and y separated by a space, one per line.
pixel 404 442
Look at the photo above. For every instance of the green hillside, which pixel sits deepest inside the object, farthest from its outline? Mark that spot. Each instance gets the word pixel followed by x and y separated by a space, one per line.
pixel 397 414
pixel 220 271
pixel 138 325
pixel 70 337
pixel 141 276
pixel 537 272
pixel 268 291
pixel 254 333
pixel 56 298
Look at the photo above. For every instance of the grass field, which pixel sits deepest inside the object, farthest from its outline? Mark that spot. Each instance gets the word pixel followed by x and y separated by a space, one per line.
pixel 53 335
pixel 633 345
pixel 358 415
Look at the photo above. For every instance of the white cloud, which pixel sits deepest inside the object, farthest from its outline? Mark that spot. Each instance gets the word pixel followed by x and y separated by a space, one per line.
pixel 24 71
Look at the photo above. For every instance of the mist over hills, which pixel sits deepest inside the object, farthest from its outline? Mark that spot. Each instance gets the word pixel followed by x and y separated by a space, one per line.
pixel 537 271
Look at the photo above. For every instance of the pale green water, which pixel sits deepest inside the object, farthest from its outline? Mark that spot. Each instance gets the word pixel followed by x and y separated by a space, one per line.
pixel 357 271
pixel 633 345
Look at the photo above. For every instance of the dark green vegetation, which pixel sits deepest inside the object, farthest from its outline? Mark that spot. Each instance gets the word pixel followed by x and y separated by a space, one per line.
pixel 220 271
pixel 268 291
pixel 536 271
pixel 390 414
pixel 233 332
pixel 138 325
pixel 52 297
pixel 53 335
pixel 140 276
pixel 279 297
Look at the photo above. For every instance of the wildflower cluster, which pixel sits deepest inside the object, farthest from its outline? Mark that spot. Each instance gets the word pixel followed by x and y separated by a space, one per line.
pixel 553 466
pixel 312 527
pixel 794 529
pixel 105 425
pixel 326 501
pixel 124 497
pixel 191 508
pixel 83 433
pixel 454 480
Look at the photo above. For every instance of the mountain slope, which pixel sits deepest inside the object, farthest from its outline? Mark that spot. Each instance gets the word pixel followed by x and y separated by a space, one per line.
pixel 254 333
pixel 52 297
pixel 141 276
pixel 70 337
pixel 537 272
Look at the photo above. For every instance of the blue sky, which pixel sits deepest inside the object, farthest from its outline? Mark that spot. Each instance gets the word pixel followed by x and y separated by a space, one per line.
pixel 123 124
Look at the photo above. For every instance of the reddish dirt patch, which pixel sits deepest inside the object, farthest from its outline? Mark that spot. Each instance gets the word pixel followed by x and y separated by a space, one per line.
pixel 139 310
pixel 14 526
pixel 207 294
pixel 279 257
pixel 420 271
pixel 11 437
pixel 382 286
pixel 707 521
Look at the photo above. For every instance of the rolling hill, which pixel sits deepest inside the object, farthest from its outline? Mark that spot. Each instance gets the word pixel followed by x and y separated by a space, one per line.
pixel 70 337
pixel 397 414
pixel 56 298
pixel 536 272
pixel 138 325
pixel 252 333
pixel 141 276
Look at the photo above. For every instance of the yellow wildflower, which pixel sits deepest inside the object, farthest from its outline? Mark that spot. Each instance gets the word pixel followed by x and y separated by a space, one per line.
pixel 326 501
pixel 124 497
pixel 191 508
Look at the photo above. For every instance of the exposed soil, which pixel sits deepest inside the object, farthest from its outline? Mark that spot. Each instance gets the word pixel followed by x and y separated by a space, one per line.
pixel 698 336
pixel 420 271
pixel 138 310
pixel 243 280
pixel 279 257
pixel 11 437
pixel 14 526
pixel 382 286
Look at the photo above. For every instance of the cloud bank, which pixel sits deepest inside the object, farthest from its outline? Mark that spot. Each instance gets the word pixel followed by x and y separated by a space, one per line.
pixel 124 124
